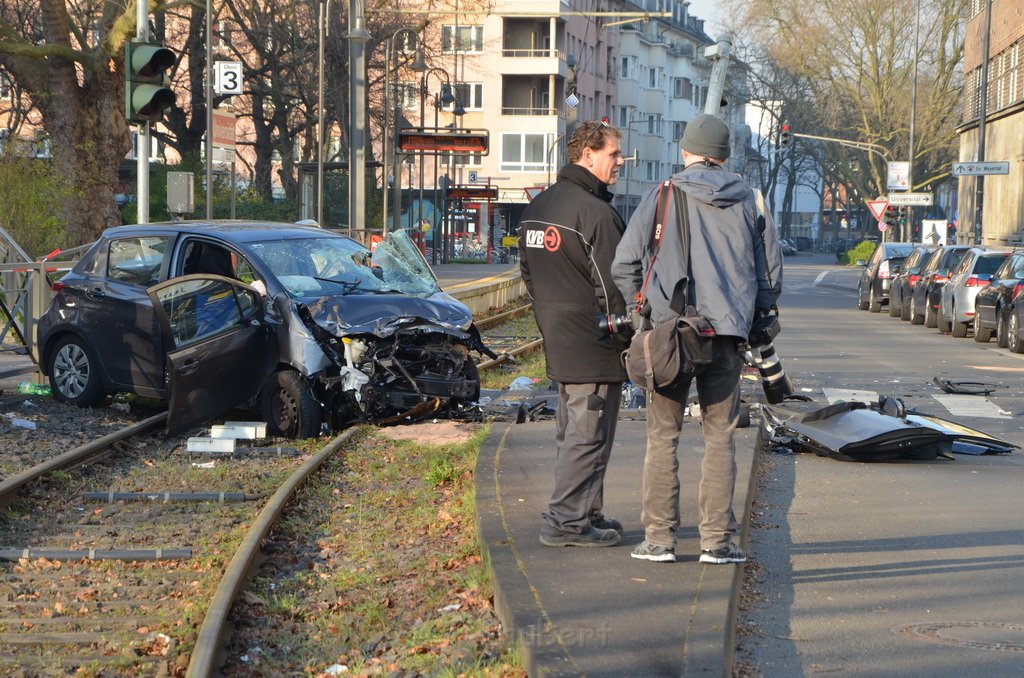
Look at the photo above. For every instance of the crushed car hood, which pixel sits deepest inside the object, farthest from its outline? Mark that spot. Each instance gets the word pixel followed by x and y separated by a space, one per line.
pixel 385 314
pixel 854 431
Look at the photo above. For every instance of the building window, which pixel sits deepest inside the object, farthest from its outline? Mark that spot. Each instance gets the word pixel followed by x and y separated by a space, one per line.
pixel 462 160
pixel 222 31
pixel 677 130
pixel 682 88
pixel 524 152
pixel 470 95
pixel 462 38
pixel 651 169
pixel 409 95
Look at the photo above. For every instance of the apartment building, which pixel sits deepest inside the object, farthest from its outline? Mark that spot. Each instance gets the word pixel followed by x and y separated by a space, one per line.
pixel 1000 112
pixel 532 70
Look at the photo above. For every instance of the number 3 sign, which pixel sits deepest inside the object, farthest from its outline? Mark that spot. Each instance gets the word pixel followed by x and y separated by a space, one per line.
pixel 228 77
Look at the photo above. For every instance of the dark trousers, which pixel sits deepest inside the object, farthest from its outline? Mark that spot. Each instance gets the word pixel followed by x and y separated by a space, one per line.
pixel 585 428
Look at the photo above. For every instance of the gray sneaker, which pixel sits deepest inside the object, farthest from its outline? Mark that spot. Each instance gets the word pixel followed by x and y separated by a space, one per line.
pixel 730 553
pixel 590 536
pixel 645 550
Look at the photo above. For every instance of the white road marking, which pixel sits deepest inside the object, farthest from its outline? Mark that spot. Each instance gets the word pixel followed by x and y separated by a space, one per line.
pixel 971 406
pixel 835 395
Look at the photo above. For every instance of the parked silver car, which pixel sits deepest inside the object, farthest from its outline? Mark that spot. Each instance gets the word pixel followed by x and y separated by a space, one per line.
pixel 956 306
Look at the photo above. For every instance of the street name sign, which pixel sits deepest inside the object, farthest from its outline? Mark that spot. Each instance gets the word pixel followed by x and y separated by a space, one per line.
pixel 911 198
pixel 966 169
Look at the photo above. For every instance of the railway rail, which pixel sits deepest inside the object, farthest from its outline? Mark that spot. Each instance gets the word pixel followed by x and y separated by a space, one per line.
pixel 94 573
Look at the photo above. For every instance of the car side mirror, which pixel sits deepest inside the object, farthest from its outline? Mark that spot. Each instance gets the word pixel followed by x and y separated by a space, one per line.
pixel 861 262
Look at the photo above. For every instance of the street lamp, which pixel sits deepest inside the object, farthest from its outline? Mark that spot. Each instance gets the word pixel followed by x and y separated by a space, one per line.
pixel 445 97
pixel 418 66
pixel 357 39
pixel 325 6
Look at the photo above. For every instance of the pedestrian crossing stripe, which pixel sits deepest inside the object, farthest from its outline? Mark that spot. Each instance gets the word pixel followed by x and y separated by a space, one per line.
pixel 957 405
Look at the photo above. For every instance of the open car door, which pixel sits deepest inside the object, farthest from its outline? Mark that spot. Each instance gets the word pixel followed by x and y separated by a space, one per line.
pixel 220 351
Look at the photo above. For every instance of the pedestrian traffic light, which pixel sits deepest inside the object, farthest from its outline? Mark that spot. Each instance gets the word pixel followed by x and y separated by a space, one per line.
pixel 784 135
pixel 146 79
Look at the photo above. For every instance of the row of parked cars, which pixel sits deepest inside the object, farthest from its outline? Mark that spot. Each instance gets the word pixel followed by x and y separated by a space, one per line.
pixel 958 289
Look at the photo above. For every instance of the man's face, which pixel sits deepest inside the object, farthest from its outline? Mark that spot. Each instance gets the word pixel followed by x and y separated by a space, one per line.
pixel 606 162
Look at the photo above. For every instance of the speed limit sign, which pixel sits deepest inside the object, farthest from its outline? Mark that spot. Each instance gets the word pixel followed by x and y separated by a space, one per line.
pixel 228 78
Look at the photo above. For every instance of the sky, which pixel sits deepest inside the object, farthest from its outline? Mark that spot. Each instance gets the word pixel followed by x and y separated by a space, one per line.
pixel 711 12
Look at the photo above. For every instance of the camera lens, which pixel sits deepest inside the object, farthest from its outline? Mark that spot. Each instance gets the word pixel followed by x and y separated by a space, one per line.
pixel 774 381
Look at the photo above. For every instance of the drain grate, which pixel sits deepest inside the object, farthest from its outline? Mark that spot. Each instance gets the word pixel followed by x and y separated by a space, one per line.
pixel 978 635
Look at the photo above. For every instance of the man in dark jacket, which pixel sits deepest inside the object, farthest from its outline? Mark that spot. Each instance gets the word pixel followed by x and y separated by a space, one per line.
pixel 735 273
pixel 567 238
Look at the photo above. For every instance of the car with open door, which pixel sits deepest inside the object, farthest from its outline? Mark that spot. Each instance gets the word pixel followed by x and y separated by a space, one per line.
pixel 314 328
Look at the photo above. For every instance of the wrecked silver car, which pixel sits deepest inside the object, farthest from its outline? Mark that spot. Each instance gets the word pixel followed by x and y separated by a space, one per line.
pixel 310 326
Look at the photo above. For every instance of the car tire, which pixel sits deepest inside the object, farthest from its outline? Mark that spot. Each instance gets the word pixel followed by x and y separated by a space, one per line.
pixel 957 329
pixel 981 334
pixel 1014 341
pixel 861 304
pixel 915 318
pixel 905 309
pixel 894 308
pixel 931 319
pixel 874 305
pixel 74 375
pixel 289 406
pixel 940 320
pixel 1001 333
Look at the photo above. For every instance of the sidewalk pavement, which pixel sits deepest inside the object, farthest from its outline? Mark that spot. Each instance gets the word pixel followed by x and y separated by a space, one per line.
pixel 597 611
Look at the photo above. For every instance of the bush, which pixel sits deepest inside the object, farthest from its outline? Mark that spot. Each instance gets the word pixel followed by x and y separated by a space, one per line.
pixel 31 194
pixel 862 251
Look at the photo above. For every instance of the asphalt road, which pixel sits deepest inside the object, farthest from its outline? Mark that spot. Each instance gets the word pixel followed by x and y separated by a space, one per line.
pixel 911 568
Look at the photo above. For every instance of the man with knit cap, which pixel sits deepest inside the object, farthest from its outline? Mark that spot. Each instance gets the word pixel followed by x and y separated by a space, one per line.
pixel 567 238
pixel 735 274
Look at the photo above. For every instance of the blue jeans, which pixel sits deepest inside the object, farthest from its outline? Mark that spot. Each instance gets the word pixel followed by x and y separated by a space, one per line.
pixel 718 392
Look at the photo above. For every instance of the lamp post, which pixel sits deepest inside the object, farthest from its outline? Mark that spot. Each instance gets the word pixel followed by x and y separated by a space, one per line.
pixel 357 39
pixel 324 9
pixel 418 66
pixel 443 98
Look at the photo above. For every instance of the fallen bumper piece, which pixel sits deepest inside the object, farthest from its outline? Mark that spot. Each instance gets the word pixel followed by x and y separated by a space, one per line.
pixel 854 431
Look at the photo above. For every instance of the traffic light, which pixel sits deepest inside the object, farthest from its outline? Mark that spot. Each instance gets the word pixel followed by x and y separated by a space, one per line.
pixel 784 135
pixel 146 79
pixel 892 216
pixel 903 215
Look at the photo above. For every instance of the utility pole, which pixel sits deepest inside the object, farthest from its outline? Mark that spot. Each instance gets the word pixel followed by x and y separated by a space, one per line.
pixel 357 39
pixel 980 180
pixel 718 53
pixel 142 135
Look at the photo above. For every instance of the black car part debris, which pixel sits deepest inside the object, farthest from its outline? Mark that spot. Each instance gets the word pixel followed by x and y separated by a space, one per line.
pixel 964 387
pixel 882 431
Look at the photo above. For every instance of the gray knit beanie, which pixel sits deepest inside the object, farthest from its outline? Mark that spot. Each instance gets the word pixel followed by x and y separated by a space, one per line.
pixel 708 136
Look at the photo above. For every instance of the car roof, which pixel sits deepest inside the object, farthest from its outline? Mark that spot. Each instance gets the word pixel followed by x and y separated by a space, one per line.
pixel 232 230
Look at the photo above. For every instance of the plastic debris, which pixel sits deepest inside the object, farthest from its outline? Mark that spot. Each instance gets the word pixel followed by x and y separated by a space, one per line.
pixel 521 384
pixel 336 669
pixel 28 388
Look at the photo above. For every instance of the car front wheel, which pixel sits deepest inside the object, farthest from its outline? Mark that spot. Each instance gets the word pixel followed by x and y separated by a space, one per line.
pixel 1001 333
pixel 74 373
pixel 289 406
pixel 1014 341
pixel 874 305
pixel 861 304
pixel 957 328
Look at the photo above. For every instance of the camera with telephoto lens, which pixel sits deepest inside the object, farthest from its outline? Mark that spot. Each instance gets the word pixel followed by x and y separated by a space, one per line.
pixel 614 323
pixel 759 352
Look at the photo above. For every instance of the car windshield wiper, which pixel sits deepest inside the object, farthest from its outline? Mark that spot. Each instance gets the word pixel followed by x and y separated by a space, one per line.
pixel 346 285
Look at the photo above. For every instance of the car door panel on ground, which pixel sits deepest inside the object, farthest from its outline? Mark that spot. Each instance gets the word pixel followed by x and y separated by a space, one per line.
pixel 220 351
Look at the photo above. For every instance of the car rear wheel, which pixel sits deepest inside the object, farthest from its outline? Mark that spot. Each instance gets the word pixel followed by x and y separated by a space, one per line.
pixel 940 320
pixel 289 406
pixel 930 317
pixel 74 373
pixel 894 308
pixel 1001 332
pixel 861 304
pixel 958 329
pixel 915 317
pixel 874 305
pixel 905 309
pixel 1014 341
pixel 981 334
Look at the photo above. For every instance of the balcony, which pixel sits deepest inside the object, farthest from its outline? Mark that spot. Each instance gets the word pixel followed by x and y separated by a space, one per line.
pixel 531 95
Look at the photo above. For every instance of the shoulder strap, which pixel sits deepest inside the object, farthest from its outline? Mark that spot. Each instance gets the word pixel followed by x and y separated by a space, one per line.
pixel 683 294
pixel 660 210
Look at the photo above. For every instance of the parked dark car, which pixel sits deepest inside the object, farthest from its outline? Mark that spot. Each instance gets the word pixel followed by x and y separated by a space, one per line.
pixel 1015 322
pixel 902 285
pixel 924 302
pixel 882 266
pixel 994 301
pixel 309 325
pixel 956 301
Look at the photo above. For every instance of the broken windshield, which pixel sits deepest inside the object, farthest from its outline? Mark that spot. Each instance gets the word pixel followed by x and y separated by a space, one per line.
pixel 329 265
